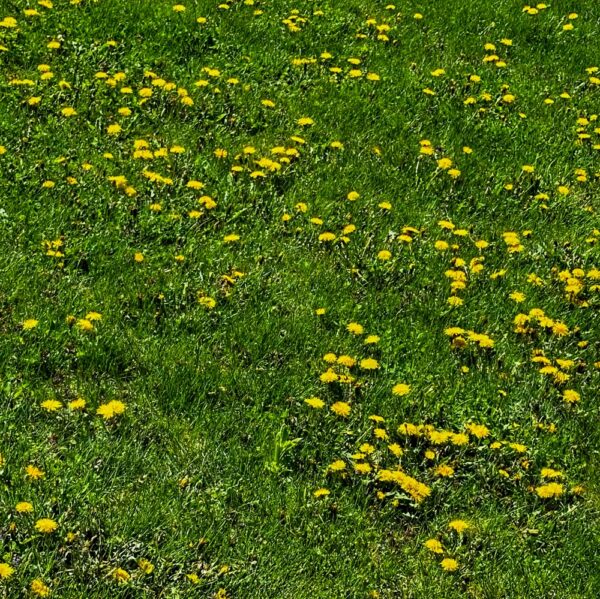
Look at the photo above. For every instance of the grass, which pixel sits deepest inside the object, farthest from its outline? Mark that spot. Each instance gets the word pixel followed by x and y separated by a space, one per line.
pixel 210 325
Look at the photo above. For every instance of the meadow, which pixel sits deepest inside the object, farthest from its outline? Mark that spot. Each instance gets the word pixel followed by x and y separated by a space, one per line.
pixel 299 299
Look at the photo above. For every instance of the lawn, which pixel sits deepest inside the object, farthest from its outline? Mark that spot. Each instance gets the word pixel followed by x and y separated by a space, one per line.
pixel 299 300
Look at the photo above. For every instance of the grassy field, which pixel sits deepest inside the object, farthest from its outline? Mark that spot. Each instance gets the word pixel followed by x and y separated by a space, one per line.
pixel 299 299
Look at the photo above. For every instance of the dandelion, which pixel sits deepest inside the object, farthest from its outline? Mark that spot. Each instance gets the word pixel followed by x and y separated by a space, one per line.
pixel 29 324
pixel 444 471
pixel 39 588
pixel 369 364
pixel 329 376
pixel 355 328
pixel 6 571
pixel 362 468
pixel 322 492
pixel 478 430
pixel 550 473
pixel 434 546
pixel 337 466
pixel 341 408
pixel 24 507
pixel 449 565
pixel 549 491
pixel 571 396
pixel 46 525
pixel 77 404
pixel 401 389
pixel 83 324
pixel 120 575
pixel 111 409
pixel 396 449
pixel 145 566
pixel 315 402
pixel 327 236
pixel 459 526
pixel 33 472
pixel 208 302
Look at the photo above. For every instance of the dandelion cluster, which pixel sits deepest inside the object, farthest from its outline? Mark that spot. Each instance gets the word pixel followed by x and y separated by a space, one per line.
pixel 299 299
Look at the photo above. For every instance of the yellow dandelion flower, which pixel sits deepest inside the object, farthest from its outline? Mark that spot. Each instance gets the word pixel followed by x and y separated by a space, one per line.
pixel 120 575
pixel 46 525
pixel 39 588
pixel 111 409
pixel 549 491
pixel 6 571
pixel 341 408
pixel 315 402
pixel 449 565
pixel 369 364
pixel 459 525
pixel 24 507
pixel 434 546
pixel 33 472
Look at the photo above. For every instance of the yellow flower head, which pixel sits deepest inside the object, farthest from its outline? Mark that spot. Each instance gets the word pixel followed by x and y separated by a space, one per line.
pixel 341 408
pixel 46 525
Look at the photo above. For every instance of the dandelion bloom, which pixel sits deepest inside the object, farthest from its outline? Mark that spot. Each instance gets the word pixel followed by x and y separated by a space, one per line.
pixel 401 389
pixel 121 575
pixel 315 402
pixel 444 471
pixel 341 408
pixel 145 566
pixel 51 405
pixel 369 364
pixel 434 546
pixel 337 466
pixel 478 430
pixel 355 328
pixel 24 507
pixel 77 404
pixel 571 396
pixel 111 409
pixel 449 565
pixel 459 525
pixel 34 472
pixel 39 588
pixel 550 490
pixel 322 492
pixel 46 525
pixel 6 571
